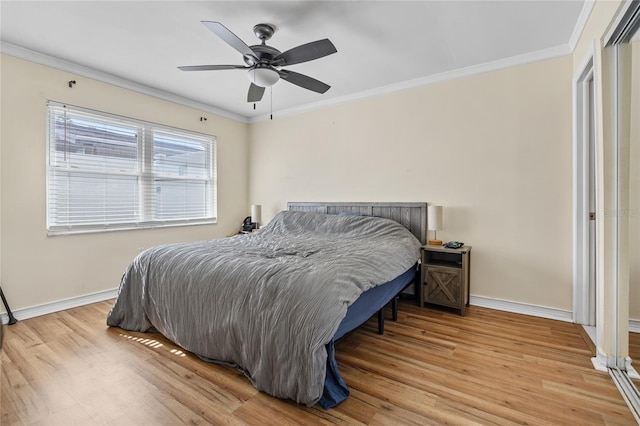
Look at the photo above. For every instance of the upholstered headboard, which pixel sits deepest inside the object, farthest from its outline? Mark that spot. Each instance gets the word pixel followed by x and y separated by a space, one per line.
pixel 412 216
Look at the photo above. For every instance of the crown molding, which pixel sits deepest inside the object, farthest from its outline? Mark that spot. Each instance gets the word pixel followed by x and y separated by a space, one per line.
pixel 81 70
pixel 587 7
pixel 71 67
pixel 523 59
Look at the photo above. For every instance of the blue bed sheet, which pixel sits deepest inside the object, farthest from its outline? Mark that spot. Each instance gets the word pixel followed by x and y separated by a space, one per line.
pixel 370 302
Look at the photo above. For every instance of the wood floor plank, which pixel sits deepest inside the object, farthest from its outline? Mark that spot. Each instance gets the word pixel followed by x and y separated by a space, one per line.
pixel 634 353
pixel 430 367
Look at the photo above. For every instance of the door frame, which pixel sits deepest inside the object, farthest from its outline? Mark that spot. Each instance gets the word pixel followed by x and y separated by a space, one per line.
pixel 584 288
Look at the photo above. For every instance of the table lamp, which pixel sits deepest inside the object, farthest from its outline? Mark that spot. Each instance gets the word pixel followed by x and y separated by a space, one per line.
pixel 256 214
pixel 434 223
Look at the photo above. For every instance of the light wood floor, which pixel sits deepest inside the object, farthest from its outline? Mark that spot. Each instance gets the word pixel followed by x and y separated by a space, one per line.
pixel 634 353
pixel 634 347
pixel 431 367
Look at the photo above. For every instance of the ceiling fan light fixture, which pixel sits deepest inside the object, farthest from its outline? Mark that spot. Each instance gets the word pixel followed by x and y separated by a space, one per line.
pixel 263 77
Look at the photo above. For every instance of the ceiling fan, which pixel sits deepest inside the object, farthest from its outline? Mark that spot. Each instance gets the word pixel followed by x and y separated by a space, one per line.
pixel 264 62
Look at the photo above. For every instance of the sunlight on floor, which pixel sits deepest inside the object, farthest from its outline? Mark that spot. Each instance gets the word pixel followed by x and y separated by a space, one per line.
pixel 152 343
pixel 148 342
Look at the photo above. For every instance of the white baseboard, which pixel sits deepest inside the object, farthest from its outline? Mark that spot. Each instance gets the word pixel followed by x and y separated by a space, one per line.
pixel 522 308
pixel 485 302
pixel 61 305
pixel 600 362
pixel 534 310
pixel 630 370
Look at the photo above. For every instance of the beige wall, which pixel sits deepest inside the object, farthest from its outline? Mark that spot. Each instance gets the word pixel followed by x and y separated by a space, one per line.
pixel 37 269
pixel 494 149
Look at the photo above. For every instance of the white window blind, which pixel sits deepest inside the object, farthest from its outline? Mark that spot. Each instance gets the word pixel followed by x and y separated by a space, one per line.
pixel 107 172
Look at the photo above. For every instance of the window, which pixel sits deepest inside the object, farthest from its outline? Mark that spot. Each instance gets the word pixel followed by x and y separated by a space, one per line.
pixel 110 173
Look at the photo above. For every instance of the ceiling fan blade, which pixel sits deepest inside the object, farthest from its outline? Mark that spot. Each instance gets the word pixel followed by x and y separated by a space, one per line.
pixel 304 81
pixel 255 93
pixel 211 67
pixel 306 52
pixel 230 38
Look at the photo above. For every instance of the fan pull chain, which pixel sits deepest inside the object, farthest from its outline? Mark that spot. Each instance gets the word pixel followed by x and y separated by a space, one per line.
pixel 271 102
pixel 254 82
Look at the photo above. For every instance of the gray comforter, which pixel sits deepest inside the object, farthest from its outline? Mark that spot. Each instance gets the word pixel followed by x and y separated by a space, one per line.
pixel 266 302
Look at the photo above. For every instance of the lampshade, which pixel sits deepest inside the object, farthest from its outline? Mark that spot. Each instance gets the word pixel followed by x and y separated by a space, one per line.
pixel 263 77
pixel 434 218
pixel 256 213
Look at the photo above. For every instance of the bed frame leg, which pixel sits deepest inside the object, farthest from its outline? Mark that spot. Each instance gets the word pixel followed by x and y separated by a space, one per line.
pixel 394 308
pixel 381 321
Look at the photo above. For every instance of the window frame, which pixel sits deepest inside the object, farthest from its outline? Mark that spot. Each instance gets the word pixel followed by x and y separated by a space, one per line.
pixel 146 176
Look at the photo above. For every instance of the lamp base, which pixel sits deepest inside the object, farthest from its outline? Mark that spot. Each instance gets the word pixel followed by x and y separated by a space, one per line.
pixel 435 242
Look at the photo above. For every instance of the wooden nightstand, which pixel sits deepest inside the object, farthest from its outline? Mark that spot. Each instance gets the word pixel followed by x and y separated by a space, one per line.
pixel 445 277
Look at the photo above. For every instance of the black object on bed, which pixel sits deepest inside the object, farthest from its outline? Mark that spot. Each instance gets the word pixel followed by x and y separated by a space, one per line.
pixel 272 303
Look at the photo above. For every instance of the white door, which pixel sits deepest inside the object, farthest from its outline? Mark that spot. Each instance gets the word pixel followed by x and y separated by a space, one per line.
pixel 585 200
pixel 591 160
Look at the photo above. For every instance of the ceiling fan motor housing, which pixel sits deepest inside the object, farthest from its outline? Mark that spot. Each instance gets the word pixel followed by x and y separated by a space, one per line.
pixel 264 54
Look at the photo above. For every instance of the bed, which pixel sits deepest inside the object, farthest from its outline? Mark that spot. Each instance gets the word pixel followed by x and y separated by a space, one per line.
pixel 273 303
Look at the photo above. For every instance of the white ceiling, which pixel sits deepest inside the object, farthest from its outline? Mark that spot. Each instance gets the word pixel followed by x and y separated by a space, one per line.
pixel 381 44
